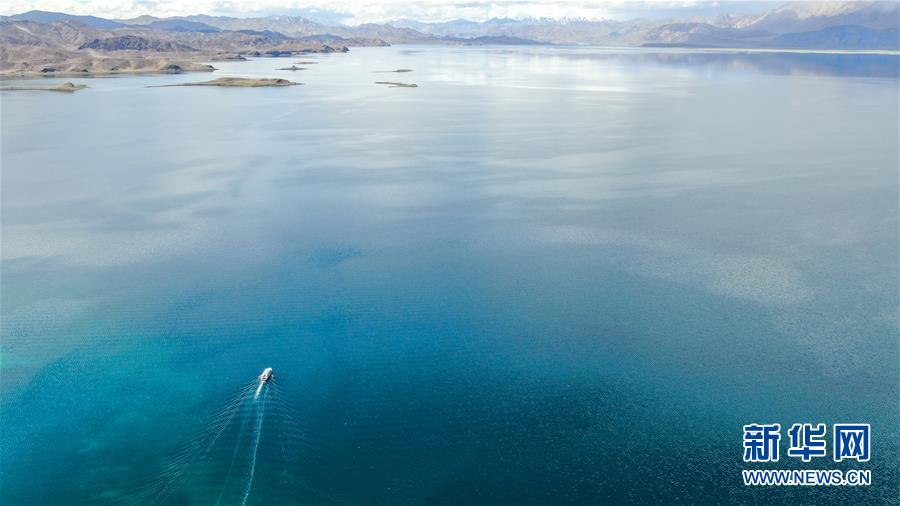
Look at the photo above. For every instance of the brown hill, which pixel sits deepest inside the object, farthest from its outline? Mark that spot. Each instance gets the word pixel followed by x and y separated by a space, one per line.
pixel 134 43
pixel 72 47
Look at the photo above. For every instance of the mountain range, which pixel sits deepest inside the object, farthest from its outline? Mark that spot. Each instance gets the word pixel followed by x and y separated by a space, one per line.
pixel 869 25
pixel 46 42
pixel 794 25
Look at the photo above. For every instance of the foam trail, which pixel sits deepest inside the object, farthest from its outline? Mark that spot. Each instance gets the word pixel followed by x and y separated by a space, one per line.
pixel 163 495
pixel 158 489
pixel 234 453
pixel 259 419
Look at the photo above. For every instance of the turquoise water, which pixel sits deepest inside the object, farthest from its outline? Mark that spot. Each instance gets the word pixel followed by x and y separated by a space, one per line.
pixel 546 275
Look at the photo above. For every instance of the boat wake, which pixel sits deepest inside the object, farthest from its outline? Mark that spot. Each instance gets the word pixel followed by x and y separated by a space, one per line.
pixel 255 444
pixel 260 411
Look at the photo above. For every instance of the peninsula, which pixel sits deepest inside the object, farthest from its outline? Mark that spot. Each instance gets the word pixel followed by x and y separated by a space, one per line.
pixel 237 82
pixel 64 87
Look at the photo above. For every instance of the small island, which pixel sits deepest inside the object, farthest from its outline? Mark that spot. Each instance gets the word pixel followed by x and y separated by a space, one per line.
pixel 391 84
pixel 64 87
pixel 227 57
pixel 236 82
pixel 292 67
pixel 397 71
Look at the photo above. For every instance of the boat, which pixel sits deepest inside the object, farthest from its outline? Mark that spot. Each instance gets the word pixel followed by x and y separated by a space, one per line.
pixel 264 378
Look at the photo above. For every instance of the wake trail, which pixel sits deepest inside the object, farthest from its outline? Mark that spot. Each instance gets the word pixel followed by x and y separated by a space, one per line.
pixel 160 487
pixel 234 453
pixel 259 419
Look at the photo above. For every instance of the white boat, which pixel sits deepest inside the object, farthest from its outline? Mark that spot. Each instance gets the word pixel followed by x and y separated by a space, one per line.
pixel 264 378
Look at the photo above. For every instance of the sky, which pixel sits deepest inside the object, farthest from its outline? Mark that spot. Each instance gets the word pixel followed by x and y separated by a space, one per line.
pixel 364 11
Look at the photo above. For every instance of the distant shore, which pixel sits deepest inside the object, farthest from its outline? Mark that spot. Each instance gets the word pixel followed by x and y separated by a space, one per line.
pixel 47 63
pixel 696 49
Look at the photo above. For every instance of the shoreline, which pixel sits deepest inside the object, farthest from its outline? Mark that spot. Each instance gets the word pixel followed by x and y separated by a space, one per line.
pixel 80 64
pixel 90 75
pixel 182 68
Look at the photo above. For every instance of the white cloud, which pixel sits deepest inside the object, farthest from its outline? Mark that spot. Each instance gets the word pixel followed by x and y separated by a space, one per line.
pixel 362 11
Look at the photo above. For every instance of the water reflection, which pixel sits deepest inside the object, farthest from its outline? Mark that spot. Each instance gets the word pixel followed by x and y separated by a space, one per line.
pixel 778 63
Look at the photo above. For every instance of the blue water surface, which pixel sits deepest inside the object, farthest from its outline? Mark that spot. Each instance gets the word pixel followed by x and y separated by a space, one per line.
pixel 546 275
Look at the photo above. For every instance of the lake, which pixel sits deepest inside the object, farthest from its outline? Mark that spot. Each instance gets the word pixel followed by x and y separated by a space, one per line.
pixel 545 275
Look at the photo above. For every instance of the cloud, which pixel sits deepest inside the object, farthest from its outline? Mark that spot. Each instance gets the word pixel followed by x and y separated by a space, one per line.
pixel 365 11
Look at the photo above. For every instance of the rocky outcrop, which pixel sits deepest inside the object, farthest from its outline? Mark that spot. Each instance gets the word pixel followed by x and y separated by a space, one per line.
pixel 328 49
